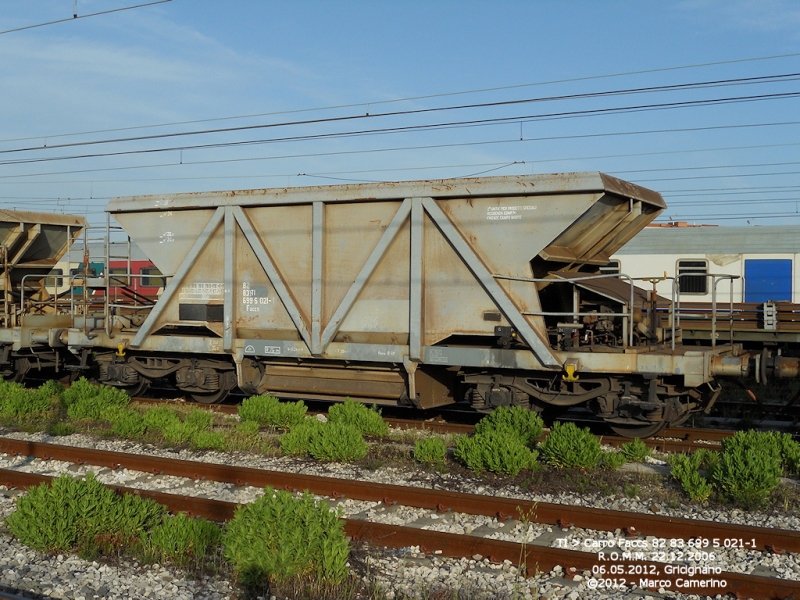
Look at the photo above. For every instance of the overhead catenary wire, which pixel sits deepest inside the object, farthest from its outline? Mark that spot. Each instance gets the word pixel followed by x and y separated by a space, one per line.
pixel 449 145
pixel 426 127
pixel 320 168
pixel 784 189
pixel 76 16
pixel 421 111
pixel 742 217
pixel 427 167
pixel 738 202
pixel 414 98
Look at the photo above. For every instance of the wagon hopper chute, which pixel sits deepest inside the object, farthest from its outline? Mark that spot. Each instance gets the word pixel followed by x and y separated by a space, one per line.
pixel 423 293
pixel 32 317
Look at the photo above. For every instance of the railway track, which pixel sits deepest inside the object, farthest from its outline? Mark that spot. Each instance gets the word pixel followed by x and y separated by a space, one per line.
pixel 630 528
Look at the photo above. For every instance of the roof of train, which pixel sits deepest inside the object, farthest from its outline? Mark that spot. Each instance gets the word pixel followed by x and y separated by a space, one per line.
pixel 514 185
pixel 767 239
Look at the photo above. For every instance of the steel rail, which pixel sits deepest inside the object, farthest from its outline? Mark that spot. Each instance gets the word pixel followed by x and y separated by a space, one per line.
pixel 9 596
pixel 766 539
pixel 535 558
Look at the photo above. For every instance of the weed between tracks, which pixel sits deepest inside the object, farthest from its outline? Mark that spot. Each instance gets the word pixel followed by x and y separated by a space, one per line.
pixel 570 466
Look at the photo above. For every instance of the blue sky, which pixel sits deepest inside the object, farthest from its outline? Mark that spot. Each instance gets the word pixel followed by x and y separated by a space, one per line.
pixel 191 65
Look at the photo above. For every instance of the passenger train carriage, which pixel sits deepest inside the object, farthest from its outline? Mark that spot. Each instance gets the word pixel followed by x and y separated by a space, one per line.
pixel 755 270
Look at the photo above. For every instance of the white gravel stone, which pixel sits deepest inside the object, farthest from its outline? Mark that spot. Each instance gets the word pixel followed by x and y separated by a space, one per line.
pixel 406 569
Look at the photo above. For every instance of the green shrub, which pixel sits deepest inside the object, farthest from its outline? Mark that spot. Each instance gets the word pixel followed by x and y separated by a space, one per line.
pixel 17 401
pixel 430 451
pixel 268 411
pixel 84 400
pixel 367 420
pixel 13 398
pixel 499 451
pixel 338 442
pixel 635 450
pixel 278 537
pixel 182 540
pixel 200 419
pixel 87 408
pixel 81 388
pixel 207 440
pixel 709 460
pixel 114 413
pixel 686 471
pixel 247 428
pixel 76 514
pixel 297 441
pixel 244 438
pixel 568 446
pixel 51 389
pixel 324 441
pixel 613 460
pixel 178 433
pixel 156 419
pixel 288 414
pixel 525 423
pixel 790 454
pixel 257 408
pixel 750 467
pixel 60 428
pixel 129 424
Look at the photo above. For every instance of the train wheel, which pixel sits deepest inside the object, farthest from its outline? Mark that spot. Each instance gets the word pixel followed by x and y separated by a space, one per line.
pixel 14 377
pixel 682 419
pixel 17 374
pixel 205 385
pixel 137 389
pixel 638 431
pixel 213 398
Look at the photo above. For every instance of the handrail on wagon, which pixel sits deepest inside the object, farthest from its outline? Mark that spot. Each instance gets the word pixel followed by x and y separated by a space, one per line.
pixel 676 303
pixel 627 317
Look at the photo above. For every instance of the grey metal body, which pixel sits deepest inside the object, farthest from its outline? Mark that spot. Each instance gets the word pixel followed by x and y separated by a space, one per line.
pixel 486 290
pixel 378 272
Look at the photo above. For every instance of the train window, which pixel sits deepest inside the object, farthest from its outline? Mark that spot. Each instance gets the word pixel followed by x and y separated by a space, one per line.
pixel 611 268
pixel 79 272
pixel 54 279
pixel 151 277
pixel 119 277
pixel 689 282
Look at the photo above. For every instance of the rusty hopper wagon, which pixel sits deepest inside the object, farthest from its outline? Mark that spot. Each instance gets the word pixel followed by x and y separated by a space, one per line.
pixel 31 244
pixel 485 291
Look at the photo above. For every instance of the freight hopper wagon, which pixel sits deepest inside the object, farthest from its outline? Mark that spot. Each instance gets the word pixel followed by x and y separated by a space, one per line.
pixel 34 319
pixel 426 293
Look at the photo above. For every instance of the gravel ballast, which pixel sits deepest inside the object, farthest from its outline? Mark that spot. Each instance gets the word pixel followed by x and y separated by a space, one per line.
pixel 407 571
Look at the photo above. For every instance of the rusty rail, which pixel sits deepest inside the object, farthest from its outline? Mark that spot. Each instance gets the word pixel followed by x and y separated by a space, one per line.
pixel 535 558
pixel 766 539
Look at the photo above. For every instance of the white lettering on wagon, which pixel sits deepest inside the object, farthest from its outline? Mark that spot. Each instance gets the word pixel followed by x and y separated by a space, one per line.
pixel 436 355
pixel 200 292
pixel 254 297
pixel 506 213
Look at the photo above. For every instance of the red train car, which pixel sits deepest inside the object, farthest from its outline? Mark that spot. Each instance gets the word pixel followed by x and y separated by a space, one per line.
pixel 139 278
